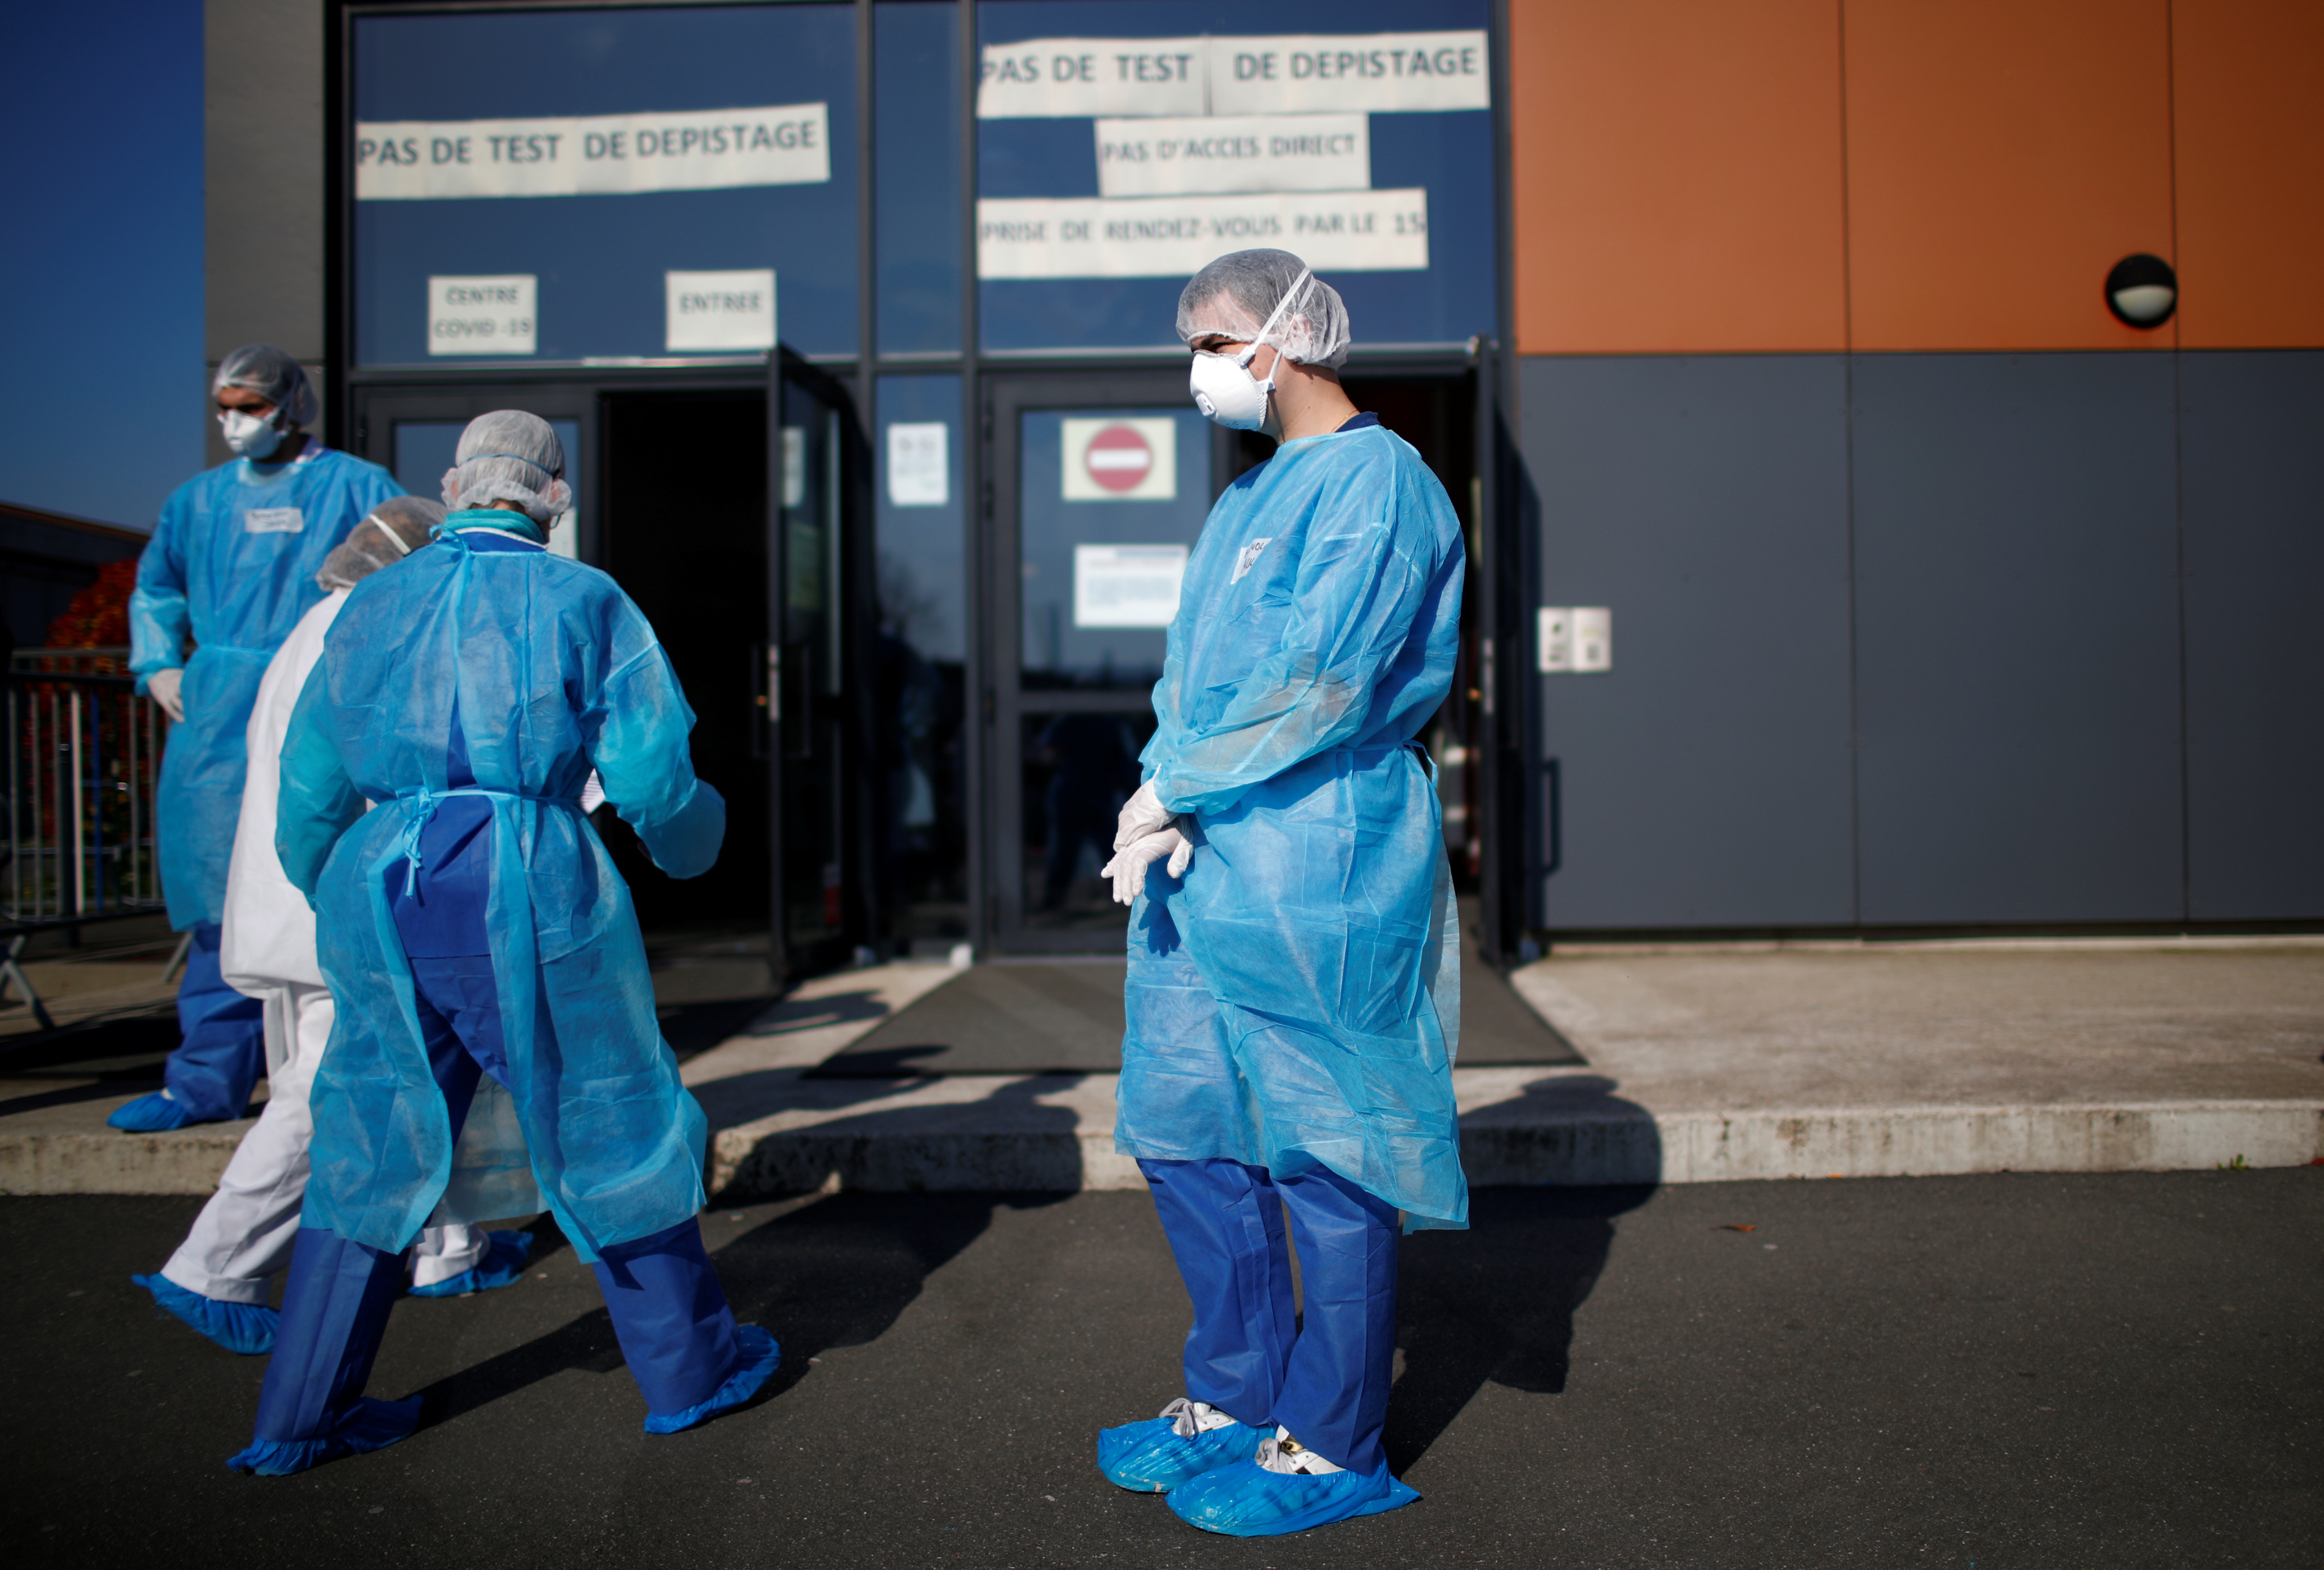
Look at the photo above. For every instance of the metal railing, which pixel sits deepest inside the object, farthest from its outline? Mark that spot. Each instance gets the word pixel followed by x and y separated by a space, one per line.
pixel 84 757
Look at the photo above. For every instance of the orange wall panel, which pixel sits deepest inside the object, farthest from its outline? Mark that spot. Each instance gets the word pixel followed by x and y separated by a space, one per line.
pixel 1677 176
pixel 2249 90
pixel 2002 156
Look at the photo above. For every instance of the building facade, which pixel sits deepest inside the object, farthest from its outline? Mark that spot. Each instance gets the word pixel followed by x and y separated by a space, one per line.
pixel 1788 342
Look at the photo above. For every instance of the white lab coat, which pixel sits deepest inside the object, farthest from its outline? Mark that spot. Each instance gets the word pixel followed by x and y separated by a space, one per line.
pixel 267 951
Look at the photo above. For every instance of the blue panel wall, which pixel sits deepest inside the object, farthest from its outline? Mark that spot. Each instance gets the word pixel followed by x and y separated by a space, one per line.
pixel 1704 780
pixel 2018 648
pixel 2252 456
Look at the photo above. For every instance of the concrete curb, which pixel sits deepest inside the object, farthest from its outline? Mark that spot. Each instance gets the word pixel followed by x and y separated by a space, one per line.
pixel 909 1154
pixel 1563 1150
pixel 189 1162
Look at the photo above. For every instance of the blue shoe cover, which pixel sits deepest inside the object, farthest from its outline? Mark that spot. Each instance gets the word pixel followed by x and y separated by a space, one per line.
pixel 502 1265
pixel 370 1426
pixel 152 1114
pixel 760 1357
pixel 1244 1501
pixel 1154 1457
pixel 245 1328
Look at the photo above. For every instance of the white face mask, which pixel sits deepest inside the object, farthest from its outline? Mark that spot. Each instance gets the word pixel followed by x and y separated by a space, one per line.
pixel 1224 389
pixel 250 436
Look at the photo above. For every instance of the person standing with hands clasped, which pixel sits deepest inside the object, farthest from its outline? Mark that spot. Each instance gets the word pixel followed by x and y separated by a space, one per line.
pixel 1293 997
pixel 233 564
pixel 472 927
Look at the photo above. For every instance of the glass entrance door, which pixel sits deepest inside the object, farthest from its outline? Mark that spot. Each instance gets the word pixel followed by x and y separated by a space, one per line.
pixel 1100 486
pixel 814 731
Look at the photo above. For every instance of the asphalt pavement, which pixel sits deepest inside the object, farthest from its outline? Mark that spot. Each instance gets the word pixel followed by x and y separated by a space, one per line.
pixel 2081 1370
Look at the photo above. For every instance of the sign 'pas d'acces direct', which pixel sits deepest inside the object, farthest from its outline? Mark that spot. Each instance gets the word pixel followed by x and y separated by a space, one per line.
pixel 695 149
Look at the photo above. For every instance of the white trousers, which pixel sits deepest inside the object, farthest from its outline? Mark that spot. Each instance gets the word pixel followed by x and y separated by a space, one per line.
pixel 245 1234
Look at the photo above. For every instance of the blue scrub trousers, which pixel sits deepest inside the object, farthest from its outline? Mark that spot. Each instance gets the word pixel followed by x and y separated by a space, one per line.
pixel 669 1313
pixel 1327 1380
pixel 224 1049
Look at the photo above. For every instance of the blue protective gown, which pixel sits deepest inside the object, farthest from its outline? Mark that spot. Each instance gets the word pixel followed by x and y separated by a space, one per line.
pixel 232 563
pixel 552 671
pixel 1293 1002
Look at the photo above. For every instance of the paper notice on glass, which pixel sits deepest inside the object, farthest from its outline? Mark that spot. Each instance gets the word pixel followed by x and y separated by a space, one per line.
pixel 482 315
pixel 794 458
pixel 1231 153
pixel 1082 78
pixel 1174 236
pixel 1127 585
pixel 693 149
pixel 1101 77
pixel 1553 636
pixel 718 310
pixel 1385 73
pixel 919 472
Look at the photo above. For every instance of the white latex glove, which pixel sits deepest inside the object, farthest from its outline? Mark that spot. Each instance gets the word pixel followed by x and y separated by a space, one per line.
pixel 163 687
pixel 1141 814
pixel 1128 867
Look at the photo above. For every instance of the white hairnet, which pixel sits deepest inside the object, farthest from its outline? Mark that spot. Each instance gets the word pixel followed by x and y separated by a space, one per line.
pixel 272 374
pixel 395 529
pixel 1236 295
pixel 509 456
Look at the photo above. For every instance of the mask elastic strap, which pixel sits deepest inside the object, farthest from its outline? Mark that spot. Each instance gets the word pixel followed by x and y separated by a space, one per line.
pixel 1269 325
pixel 393 538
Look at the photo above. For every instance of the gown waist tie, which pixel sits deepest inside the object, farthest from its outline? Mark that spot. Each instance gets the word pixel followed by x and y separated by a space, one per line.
pixel 426 810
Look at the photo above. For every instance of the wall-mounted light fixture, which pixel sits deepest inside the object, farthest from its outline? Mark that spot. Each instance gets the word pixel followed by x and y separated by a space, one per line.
pixel 2141 291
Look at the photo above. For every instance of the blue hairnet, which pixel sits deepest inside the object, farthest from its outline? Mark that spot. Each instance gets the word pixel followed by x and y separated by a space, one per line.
pixel 275 376
pixel 509 456
pixel 1237 294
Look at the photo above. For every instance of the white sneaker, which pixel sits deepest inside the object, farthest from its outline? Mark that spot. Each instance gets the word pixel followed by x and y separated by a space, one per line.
pixel 1285 1454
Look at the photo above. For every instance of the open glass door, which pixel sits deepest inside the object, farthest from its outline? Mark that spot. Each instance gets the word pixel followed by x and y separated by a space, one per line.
pixel 813 734
pixel 1101 485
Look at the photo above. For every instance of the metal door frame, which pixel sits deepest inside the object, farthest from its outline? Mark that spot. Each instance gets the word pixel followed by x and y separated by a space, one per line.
pixel 998 809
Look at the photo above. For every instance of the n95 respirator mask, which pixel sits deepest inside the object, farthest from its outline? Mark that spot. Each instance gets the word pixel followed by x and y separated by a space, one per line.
pixel 250 436
pixel 1226 391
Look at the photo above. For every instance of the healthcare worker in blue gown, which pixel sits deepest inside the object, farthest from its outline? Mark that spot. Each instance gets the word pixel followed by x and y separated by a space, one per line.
pixel 233 563
pixel 472 927
pixel 1293 998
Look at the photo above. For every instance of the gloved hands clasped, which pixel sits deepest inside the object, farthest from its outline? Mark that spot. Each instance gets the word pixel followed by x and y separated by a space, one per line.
pixel 1142 814
pixel 1128 867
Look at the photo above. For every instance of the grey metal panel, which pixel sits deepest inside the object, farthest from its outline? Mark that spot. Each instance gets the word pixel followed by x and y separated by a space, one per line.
pixel 2252 451
pixel 263 181
pixel 2017 647
pixel 1704 780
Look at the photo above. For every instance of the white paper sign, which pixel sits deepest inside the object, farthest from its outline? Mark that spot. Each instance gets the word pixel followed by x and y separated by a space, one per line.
pixel 273 520
pixel 919 471
pixel 698 149
pixel 1127 585
pixel 718 310
pixel 1238 152
pixel 1074 79
pixel 1174 236
pixel 1101 77
pixel 1120 460
pixel 1381 72
pixel 482 315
